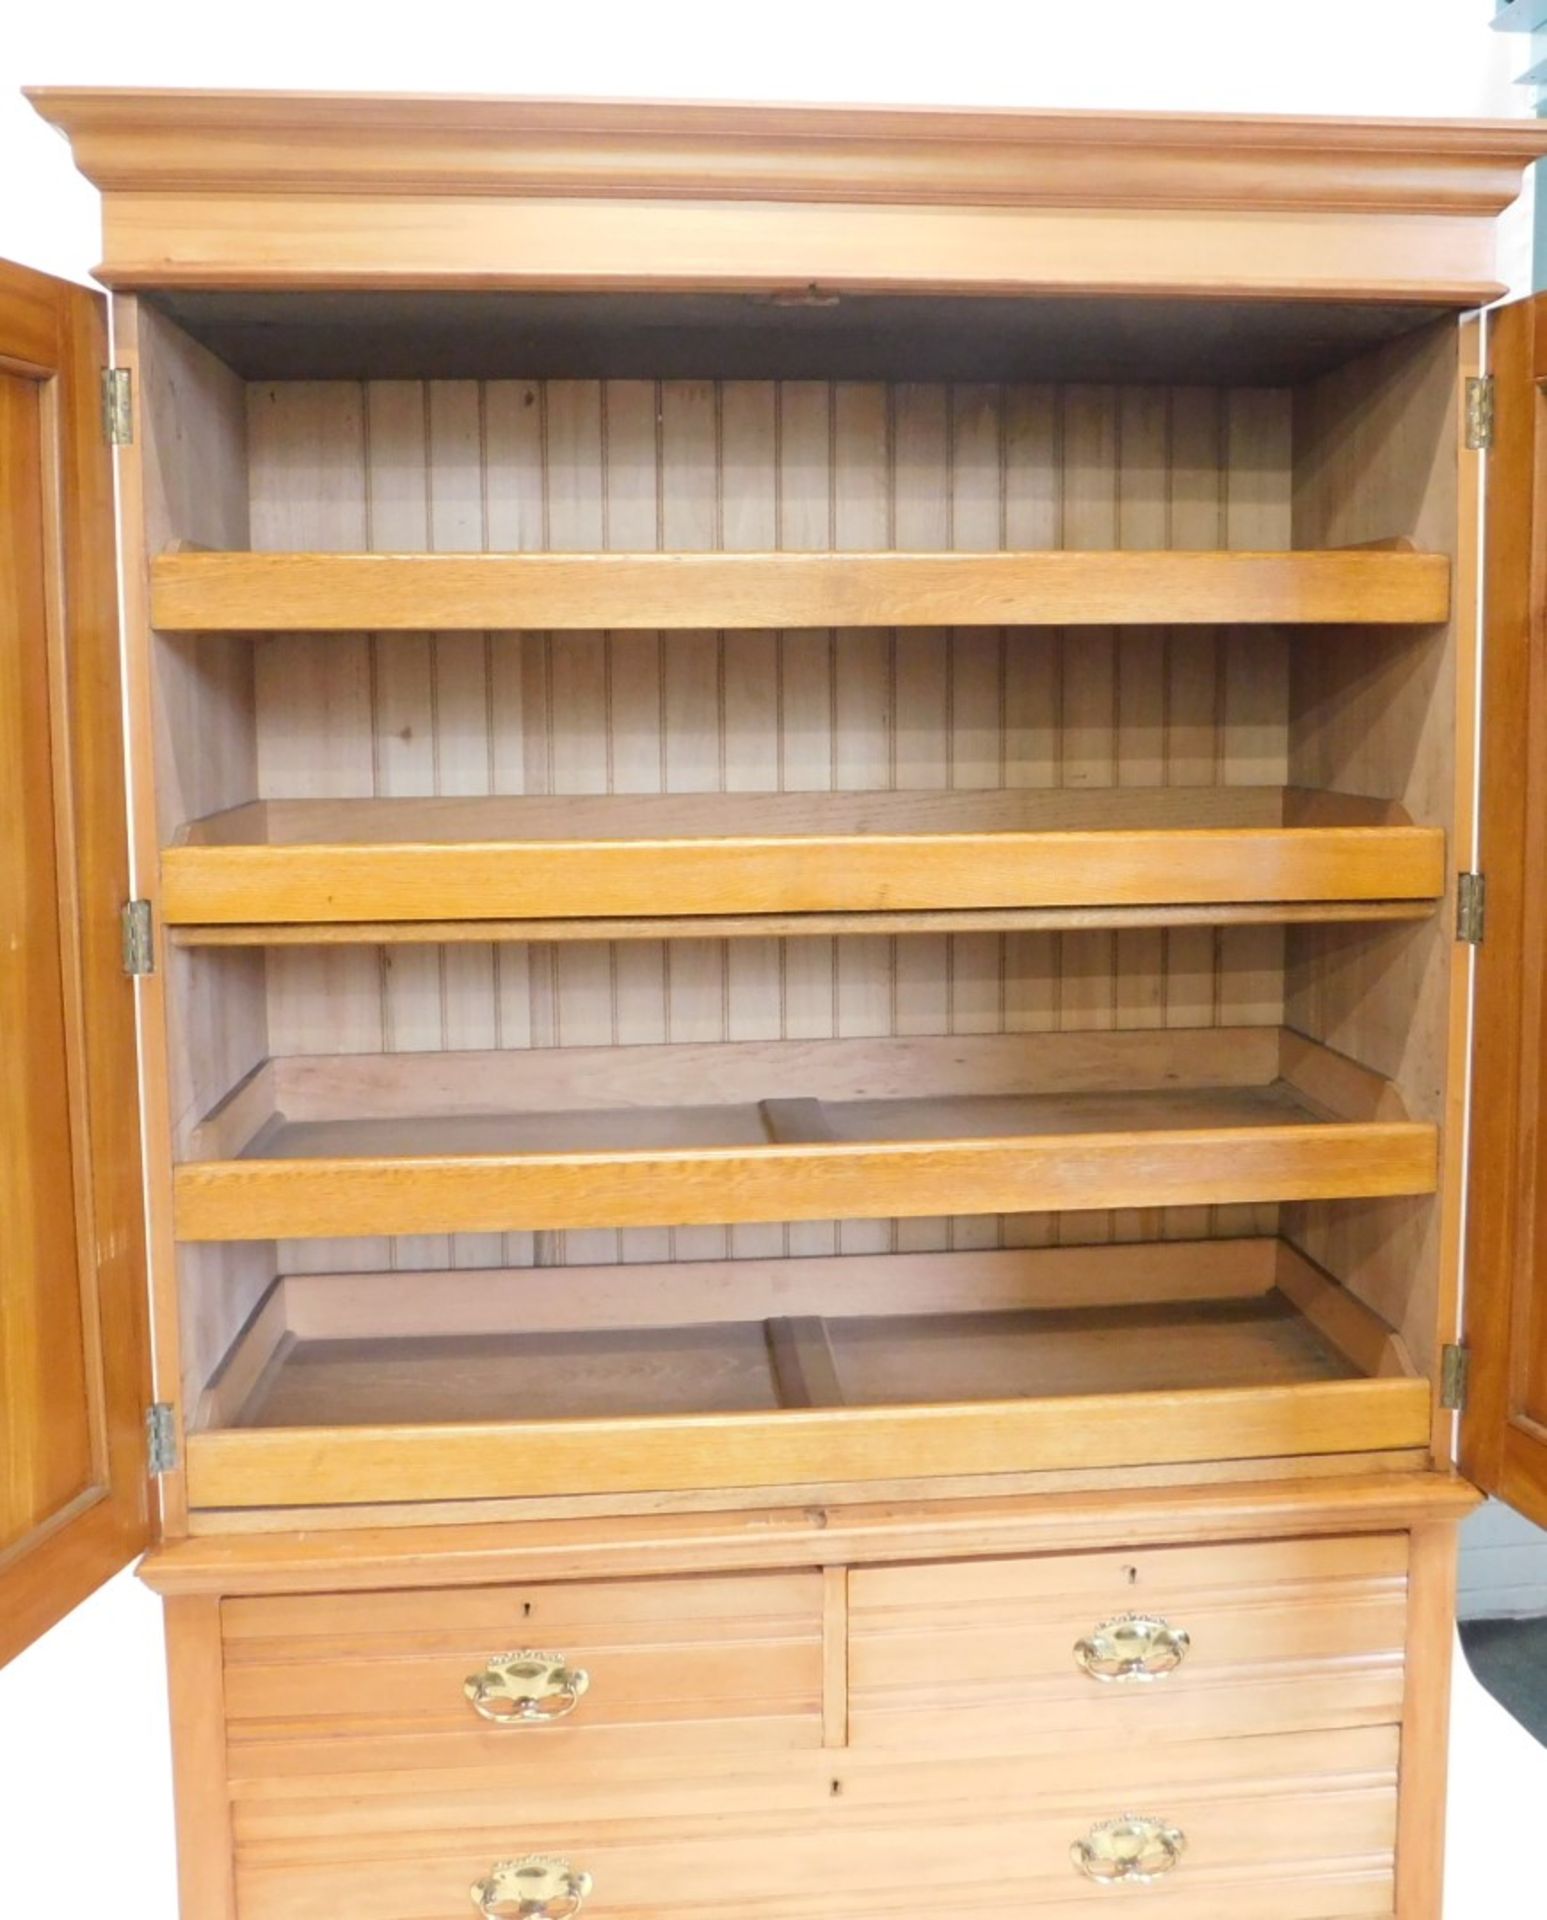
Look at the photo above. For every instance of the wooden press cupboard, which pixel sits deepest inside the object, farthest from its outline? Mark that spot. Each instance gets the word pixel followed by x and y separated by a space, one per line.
pixel 830 824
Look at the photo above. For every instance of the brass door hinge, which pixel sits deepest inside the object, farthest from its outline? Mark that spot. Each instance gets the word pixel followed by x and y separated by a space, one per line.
pixel 1471 908
pixel 118 406
pixel 160 1438
pixel 1479 413
pixel 139 938
pixel 1455 1368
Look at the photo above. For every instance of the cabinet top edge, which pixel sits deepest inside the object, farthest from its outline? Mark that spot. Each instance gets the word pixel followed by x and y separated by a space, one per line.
pixel 124 140
pixel 222 108
pixel 256 191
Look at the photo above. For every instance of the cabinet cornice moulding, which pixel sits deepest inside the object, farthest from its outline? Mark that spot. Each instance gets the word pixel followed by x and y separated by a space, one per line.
pixel 255 190
pixel 134 140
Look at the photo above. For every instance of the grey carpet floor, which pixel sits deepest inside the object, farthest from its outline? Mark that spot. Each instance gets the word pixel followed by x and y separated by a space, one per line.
pixel 1509 1657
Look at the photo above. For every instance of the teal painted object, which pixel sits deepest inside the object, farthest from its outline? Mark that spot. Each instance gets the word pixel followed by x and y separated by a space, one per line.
pixel 1520 16
pixel 1530 16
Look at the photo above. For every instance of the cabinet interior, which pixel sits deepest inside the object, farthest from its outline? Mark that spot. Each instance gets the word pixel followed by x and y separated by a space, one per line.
pixel 1306 1032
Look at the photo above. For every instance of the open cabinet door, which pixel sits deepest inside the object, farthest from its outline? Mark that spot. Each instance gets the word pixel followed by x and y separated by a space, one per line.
pixel 74 1371
pixel 1504 1428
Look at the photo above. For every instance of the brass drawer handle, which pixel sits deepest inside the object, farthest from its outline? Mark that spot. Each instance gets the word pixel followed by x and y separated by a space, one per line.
pixel 518 1689
pixel 1131 1848
pixel 535 1887
pixel 1132 1647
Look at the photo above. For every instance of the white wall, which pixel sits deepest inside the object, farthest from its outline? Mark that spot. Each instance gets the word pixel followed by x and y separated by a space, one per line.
pixel 1503 1566
pixel 83 1745
pixel 85 1764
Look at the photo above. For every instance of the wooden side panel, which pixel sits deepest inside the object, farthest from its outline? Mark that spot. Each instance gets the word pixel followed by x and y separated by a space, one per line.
pixel 197 1700
pixel 74 1371
pixel 1378 455
pixel 1504 1431
pixel 193 746
pixel 1431 1638
pixel 761 466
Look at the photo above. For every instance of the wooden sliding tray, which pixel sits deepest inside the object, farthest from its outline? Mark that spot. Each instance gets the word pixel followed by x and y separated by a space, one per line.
pixel 332 592
pixel 402 1386
pixel 673 856
pixel 679 1135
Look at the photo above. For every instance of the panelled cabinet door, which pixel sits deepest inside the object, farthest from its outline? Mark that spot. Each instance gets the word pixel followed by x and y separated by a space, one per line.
pixel 73 1364
pixel 1504 1429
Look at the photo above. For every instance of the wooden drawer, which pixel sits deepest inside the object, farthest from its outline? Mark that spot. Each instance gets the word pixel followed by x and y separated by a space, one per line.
pixel 977 1656
pixel 1288 1827
pixel 675 1667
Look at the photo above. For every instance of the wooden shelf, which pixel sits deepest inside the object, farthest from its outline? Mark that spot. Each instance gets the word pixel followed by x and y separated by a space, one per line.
pixel 621 1379
pixel 194 591
pixel 410 1143
pixel 663 856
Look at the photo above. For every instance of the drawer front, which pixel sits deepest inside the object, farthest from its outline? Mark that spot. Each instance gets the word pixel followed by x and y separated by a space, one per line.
pixel 1177 1642
pixel 1297 1827
pixel 662 1667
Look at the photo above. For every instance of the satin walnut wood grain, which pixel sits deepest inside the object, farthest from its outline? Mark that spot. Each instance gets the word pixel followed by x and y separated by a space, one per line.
pixel 425 1143
pixel 489 1460
pixel 333 863
pixel 323 592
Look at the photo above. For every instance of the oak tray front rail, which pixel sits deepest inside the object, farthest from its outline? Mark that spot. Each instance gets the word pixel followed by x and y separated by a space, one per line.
pixel 333 864
pixel 358 1388
pixel 193 591
pixel 336 1145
